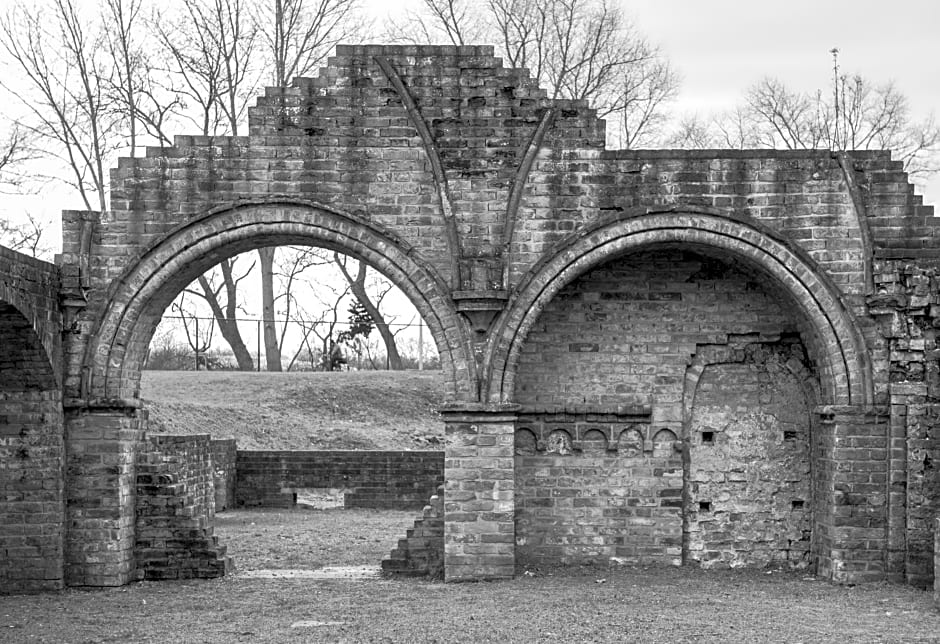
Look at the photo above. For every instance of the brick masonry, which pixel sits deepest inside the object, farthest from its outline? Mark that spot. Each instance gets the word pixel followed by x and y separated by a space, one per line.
pixel 783 302
pixel 366 479
pixel 421 552
pixel 32 445
pixel 174 536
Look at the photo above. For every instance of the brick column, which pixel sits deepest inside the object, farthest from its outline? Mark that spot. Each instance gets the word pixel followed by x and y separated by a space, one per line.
pixel 479 509
pixel 851 490
pixel 101 444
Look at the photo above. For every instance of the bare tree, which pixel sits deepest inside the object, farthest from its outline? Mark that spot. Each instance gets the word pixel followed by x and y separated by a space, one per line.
pixel 272 348
pixel 691 131
pixel 862 116
pixel 224 311
pixel 25 237
pixel 788 119
pixel 733 129
pixel 451 22
pixel 323 324
pixel 865 116
pixel 200 340
pixel 122 16
pixel 357 285
pixel 208 49
pixel 855 114
pixel 59 53
pixel 16 151
pixel 637 117
pixel 577 49
pixel 298 35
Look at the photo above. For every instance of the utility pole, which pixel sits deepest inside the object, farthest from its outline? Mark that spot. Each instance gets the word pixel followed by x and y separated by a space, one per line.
pixel 835 94
pixel 420 344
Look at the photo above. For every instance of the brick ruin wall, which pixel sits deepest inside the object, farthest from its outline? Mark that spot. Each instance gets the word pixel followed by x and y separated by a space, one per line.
pixel 368 479
pixel 32 445
pixel 729 485
pixel 175 508
pixel 776 314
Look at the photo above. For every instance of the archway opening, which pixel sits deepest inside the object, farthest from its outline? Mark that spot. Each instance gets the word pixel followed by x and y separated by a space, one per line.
pixel 316 447
pixel 701 374
pixel 31 460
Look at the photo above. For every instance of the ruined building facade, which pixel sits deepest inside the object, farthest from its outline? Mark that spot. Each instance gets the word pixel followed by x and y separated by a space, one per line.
pixel 714 358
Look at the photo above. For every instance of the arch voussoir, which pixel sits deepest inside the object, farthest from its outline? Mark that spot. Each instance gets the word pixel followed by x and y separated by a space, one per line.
pixel 840 344
pixel 139 297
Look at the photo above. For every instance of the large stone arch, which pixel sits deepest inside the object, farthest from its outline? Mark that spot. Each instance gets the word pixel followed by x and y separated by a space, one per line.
pixel 838 345
pixel 30 286
pixel 137 299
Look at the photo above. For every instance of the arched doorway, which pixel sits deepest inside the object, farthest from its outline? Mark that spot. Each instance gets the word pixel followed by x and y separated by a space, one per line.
pixel 125 323
pixel 603 340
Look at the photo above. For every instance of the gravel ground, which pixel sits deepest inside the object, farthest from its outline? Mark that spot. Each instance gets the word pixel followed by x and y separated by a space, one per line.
pixel 577 604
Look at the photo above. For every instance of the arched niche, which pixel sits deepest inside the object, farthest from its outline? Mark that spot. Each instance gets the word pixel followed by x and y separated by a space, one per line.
pixel 831 333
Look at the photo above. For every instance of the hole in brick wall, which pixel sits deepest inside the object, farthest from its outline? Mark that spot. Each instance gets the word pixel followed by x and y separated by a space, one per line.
pixel 708 438
pixel 525 442
pixel 705 506
pixel 796 504
pixel 321 498
pixel 789 435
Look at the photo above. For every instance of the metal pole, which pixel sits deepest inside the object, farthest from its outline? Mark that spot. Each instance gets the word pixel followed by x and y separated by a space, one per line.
pixel 197 344
pixel 258 342
pixel 420 344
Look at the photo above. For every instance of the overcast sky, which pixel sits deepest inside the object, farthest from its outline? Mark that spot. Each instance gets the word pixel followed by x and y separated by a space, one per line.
pixel 721 47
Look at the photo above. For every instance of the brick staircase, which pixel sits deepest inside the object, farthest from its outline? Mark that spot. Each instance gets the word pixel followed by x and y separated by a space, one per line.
pixel 421 552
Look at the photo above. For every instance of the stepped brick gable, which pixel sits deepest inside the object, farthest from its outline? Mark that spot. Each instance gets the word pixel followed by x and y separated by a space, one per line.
pixel 708 357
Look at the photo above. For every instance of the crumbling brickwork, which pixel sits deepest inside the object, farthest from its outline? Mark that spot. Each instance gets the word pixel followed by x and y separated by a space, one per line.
pixel 750 490
pixel 32 447
pixel 421 552
pixel 769 314
pixel 175 507
pixel 224 457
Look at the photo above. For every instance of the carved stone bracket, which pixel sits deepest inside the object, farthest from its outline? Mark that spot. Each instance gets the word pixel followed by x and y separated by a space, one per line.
pixel 480 307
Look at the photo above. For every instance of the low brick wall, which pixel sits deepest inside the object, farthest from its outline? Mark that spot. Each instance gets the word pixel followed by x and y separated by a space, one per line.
pixel 175 508
pixel 366 479
pixel 223 463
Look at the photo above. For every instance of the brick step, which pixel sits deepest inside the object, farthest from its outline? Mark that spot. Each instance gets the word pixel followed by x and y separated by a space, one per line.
pixel 421 552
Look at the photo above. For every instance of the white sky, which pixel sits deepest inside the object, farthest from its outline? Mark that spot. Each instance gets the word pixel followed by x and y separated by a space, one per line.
pixel 721 47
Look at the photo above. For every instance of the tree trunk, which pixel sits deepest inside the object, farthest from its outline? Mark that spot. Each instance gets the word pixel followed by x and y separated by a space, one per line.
pixel 358 287
pixel 228 326
pixel 272 352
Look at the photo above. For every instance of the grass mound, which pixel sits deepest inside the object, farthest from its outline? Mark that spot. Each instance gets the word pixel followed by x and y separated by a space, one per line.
pixel 391 410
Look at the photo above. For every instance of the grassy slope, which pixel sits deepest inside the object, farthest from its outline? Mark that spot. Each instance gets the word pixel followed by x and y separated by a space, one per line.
pixel 339 410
